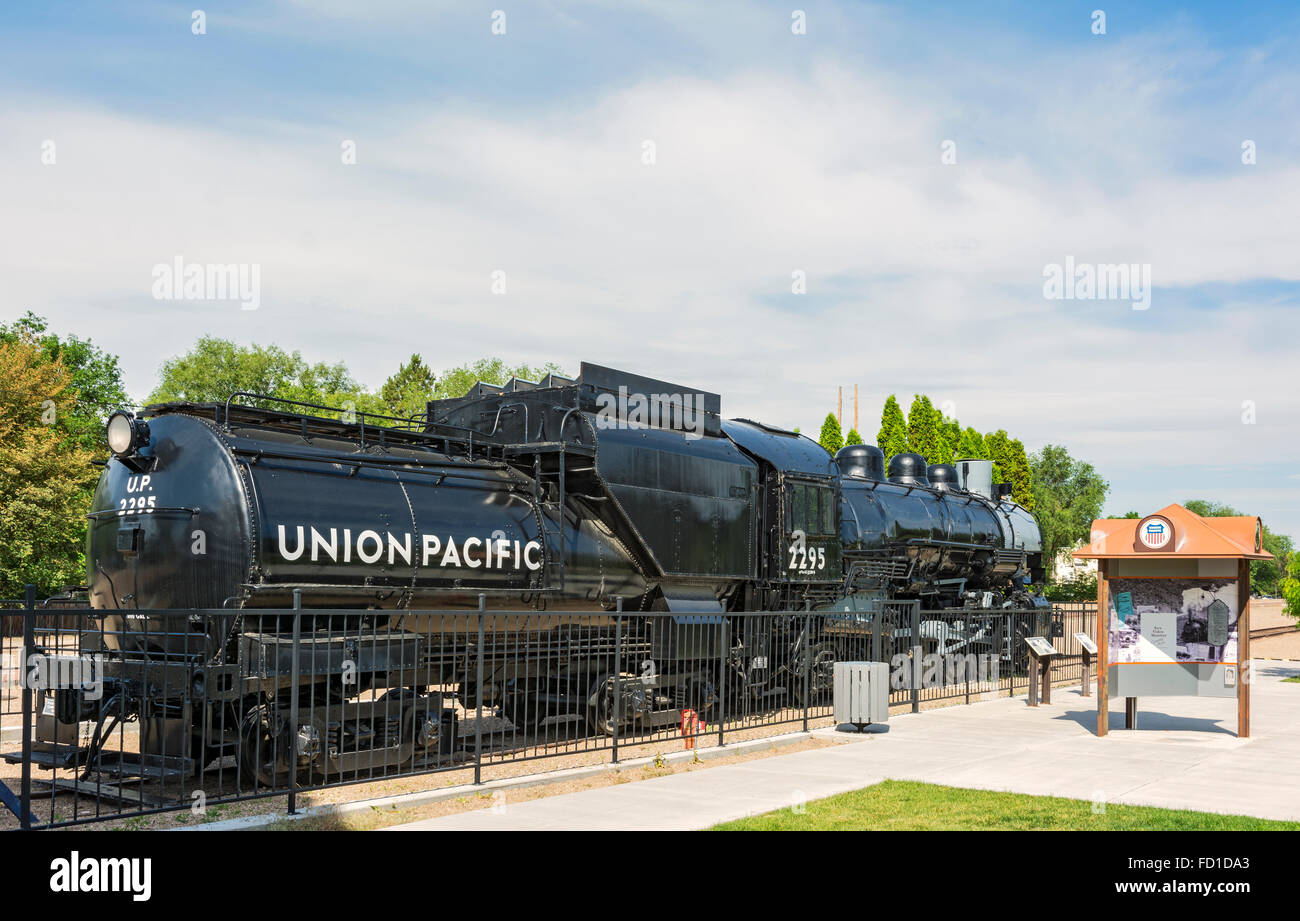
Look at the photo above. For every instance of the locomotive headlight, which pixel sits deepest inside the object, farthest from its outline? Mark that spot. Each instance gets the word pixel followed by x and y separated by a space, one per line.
pixel 125 433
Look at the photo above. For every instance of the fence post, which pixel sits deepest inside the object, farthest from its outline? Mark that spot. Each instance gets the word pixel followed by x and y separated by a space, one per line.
pixel 1000 641
pixel 295 678
pixel 916 657
pixel 478 686
pixel 29 640
pixel 977 665
pixel 807 665
pixel 722 681
pixel 617 706
pixel 1014 647
pixel 877 627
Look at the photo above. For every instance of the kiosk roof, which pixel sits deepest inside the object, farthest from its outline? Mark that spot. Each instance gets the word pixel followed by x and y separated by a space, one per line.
pixel 1194 536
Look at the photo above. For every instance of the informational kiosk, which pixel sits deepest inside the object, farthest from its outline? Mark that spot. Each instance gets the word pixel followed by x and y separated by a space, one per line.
pixel 1173 606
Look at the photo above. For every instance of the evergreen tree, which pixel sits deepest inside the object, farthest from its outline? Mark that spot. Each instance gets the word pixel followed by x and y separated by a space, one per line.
pixel 1020 474
pixel 832 439
pixel 1011 465
pixel 950 435
pixel 970 446
pixel 853 438
pixel 892 438
pixel 996 445
pixel 923 436
pixel 995 449
pixel 408 392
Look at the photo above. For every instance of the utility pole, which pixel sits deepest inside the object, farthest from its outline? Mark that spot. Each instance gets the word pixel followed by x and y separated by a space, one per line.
pixel 855 408
pixel 839 409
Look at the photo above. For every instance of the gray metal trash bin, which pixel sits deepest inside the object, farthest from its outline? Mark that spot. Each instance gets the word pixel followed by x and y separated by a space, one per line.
pixel 861 693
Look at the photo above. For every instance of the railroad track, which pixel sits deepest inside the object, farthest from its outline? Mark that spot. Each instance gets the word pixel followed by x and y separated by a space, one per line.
pixel 1273 631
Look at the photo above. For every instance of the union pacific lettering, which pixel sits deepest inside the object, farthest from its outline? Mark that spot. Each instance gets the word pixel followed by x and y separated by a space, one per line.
pixel 342 546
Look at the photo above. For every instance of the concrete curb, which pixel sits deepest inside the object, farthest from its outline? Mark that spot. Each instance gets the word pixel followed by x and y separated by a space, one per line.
pixel 424 797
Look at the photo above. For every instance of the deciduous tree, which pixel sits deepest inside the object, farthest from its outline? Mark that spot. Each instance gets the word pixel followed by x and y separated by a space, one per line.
pixel 45 472
pixel 1290 587
pixel 215 368
pixel 456 382
pixel 1266 576
pixel 96 378
pixel 1068 495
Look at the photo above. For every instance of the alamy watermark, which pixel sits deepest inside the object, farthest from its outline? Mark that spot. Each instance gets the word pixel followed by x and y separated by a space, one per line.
pixel 75 873
pixel 42 672
pixel 199 281
pixel 682 412
pixel 1086 281
pixel 936 670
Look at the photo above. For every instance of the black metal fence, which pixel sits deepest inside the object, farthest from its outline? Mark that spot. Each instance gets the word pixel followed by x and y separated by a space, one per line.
pixel 11 613
pixel 109 715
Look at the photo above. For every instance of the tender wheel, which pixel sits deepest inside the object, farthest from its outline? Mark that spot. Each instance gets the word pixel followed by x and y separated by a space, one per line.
pixel 600 703
pixel 265 749
pixel 422 725
pixel 821 675
pixel 1022 628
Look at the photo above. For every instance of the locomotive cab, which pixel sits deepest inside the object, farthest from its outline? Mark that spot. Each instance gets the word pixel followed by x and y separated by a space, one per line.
pixel 810 530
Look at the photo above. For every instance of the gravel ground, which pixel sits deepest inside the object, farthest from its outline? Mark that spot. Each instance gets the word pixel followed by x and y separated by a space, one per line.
pixel 1283 646
pixel 559 753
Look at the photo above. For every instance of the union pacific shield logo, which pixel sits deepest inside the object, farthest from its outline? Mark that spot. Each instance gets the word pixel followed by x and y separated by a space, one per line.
pixel 1155 533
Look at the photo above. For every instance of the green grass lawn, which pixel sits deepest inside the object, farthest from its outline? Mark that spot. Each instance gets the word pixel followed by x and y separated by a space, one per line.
pixel 904 805
pixel 1293 680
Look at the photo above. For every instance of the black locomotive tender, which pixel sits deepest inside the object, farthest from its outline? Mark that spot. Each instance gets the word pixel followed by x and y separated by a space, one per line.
pixel 575 497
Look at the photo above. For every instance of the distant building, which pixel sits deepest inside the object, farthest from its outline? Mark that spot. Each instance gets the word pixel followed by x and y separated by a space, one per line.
pixel 1068 568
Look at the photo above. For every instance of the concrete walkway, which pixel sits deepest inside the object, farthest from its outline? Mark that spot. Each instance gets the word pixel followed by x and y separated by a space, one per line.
pixel 1184 755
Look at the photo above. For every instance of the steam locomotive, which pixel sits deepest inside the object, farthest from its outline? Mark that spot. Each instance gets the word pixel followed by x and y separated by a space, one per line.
pixel 607 493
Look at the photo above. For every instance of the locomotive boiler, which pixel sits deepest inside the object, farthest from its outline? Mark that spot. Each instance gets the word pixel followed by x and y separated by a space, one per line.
pixel 608 493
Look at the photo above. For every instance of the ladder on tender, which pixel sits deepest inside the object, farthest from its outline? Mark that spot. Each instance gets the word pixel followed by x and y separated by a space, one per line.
pixel 553 557
pixel 551 463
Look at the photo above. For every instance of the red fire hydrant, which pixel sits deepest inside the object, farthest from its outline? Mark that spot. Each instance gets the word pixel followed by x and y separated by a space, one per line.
pixel 690 727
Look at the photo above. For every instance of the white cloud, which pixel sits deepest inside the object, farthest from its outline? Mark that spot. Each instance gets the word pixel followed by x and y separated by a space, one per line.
pixel 682 269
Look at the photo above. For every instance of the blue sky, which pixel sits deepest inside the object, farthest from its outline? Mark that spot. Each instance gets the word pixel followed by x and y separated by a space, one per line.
pixel 775 153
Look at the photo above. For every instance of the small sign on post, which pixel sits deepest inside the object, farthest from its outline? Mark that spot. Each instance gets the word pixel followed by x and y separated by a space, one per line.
pixel 1089 653
pixel 1041 653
